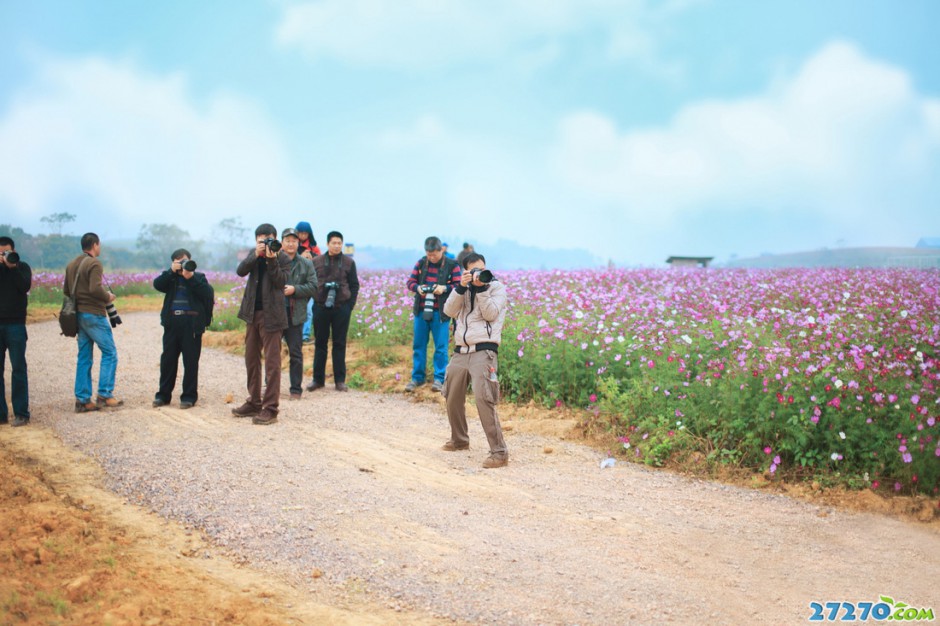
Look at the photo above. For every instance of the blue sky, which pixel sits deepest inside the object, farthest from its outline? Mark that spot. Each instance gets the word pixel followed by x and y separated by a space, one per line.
pixel 633 129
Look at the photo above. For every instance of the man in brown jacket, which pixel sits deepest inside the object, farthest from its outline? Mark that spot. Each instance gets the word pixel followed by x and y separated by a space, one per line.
pixel 84 274
pixel 262 309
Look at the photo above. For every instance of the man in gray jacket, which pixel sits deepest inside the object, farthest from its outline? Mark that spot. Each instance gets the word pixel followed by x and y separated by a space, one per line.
pixel 300 287
pixel 478 307
pixel 263 311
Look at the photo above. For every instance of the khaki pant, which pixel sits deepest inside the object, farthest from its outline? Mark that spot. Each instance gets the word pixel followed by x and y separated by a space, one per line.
pixel 480 369
pixel 258 342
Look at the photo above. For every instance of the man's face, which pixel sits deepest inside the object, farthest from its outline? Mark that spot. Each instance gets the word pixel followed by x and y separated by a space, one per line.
pixel 289 245
pixel 6 248
pixel 434 256
pixel 181 259
pixel 476 265
pixel 334 246
pixel 261 238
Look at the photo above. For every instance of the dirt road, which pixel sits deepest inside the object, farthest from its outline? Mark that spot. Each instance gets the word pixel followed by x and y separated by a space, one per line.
pixel 351 501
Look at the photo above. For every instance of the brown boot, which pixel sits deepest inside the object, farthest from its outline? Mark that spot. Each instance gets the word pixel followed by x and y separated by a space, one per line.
pixel 85 407
pixel 496 460
pixel 246 410
pixel 266 418
pixel 450 446
pixel 108 403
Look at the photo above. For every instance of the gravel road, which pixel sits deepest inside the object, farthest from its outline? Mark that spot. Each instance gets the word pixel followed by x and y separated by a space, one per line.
pixel 355 486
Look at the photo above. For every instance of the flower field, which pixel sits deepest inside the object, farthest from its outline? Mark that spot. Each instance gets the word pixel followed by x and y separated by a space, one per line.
pixel 804 373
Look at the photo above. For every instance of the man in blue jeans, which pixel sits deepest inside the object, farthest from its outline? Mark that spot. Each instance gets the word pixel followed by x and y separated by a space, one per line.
pixel 16 278
pixel 431 280
pixel 83 275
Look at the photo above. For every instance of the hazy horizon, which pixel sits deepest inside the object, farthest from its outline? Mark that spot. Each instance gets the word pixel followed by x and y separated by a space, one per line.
pixel 631 130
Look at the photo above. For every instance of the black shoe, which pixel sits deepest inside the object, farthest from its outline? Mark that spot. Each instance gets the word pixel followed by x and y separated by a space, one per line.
pixel 185 404
pixel 341 387
pixel 315 385
pixel 158 402
pixel 19 420
pixel 246 410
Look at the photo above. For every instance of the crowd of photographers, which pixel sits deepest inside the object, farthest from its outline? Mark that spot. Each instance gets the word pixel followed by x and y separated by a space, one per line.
pixel 291 290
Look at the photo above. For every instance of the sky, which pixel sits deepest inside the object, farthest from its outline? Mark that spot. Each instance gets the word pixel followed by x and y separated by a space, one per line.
pixel 631 129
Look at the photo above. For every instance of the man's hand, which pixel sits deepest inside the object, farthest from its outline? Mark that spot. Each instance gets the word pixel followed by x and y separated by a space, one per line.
pixel 176 266
pixel 289 290
pixel 465 278
pixel 440 289
pixel 269 253
pixel 111 296
pixel 260 249
pixel 307 254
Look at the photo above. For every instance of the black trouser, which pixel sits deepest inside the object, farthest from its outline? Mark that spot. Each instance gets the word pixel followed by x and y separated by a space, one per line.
pixel 179 337
pixel 294 336
pixel 325 321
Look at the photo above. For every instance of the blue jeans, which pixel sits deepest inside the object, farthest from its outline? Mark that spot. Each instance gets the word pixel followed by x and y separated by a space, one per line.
pixel 95 330
pixel 13 339
pixel 306 331
pixel 440 332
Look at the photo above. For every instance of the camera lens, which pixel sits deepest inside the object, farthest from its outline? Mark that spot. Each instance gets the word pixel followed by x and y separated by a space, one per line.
pixel 189 266
pixel 12 257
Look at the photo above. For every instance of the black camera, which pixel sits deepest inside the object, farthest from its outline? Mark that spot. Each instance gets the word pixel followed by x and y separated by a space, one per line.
pixel 10 256
pixel 272 244
pixel 113 316
pixel 189 266
pixel 331 288
pixel 482 275
pixel 427 313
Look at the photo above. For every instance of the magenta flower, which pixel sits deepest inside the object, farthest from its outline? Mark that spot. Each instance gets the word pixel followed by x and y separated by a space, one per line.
pixel 767 450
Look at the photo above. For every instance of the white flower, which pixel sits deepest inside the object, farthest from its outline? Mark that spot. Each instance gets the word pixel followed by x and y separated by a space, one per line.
pixel 834 456
pixel 686 338
pixel 579 314
pixel 904 313
pixel 841 435
pixel 839 383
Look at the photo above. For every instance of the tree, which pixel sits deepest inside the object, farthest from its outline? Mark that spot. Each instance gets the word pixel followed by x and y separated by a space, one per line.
pixel 57 221
pixel 230 236
pixel 156 242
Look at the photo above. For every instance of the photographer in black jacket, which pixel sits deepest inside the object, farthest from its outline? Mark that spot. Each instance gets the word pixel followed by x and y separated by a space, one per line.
pixel 16 278
pixel 184 317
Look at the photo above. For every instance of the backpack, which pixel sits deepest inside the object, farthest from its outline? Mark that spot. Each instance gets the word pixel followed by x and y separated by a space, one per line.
pixel 68 314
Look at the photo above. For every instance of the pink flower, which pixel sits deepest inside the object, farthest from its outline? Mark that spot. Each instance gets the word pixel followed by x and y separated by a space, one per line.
pixel 548 357
pixel 767 450
pixel 915 399
pixel 592 397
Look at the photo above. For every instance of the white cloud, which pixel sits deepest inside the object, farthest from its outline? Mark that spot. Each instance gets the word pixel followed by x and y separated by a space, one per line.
pixel 844 135
pixel 438 33
pixel 140 147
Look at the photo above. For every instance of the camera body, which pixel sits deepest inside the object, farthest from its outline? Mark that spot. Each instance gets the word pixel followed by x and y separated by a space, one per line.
pixel 483 275
pixel 113 316
pixel 10 256
pixel 272 244
pixel 188 266
pixel 427 313
pixel 331 288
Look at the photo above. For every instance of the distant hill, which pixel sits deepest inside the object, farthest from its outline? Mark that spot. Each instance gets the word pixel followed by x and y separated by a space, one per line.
pixel 503 255
pixel 846 257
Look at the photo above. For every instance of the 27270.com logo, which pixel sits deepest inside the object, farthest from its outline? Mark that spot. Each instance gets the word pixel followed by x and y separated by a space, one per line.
pixel 885 609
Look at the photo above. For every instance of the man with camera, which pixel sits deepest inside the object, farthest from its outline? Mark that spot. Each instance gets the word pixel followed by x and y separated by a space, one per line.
pixel 301 285
pixel 16 278
pixel 431 280
pixel 335 300
pixel 478 306
pixel 185 314
pixel 96 317
pixel 262 310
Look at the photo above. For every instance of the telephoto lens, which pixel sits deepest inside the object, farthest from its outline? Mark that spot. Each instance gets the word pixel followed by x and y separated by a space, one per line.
pixel 484 276
pixel 330 294
pixel 189 266
pixel 12 257
pixel 427 314
pixel 113 316
pixel 273 244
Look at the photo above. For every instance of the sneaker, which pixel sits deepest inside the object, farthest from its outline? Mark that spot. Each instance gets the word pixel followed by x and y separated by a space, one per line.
pixel 314 385
pixel 85 407
pixel 266 418
pixel 436 386
pixel 341 387
pixel 412 385
pixel 108 403
pixel 19 420
pixel 246 410
pixel 450 446
pixel 158 402
pixel 186 404
pixel 496 460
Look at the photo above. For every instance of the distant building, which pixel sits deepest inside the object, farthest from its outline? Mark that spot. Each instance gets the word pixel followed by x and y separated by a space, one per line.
pixel 689 261
pixel 928 242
